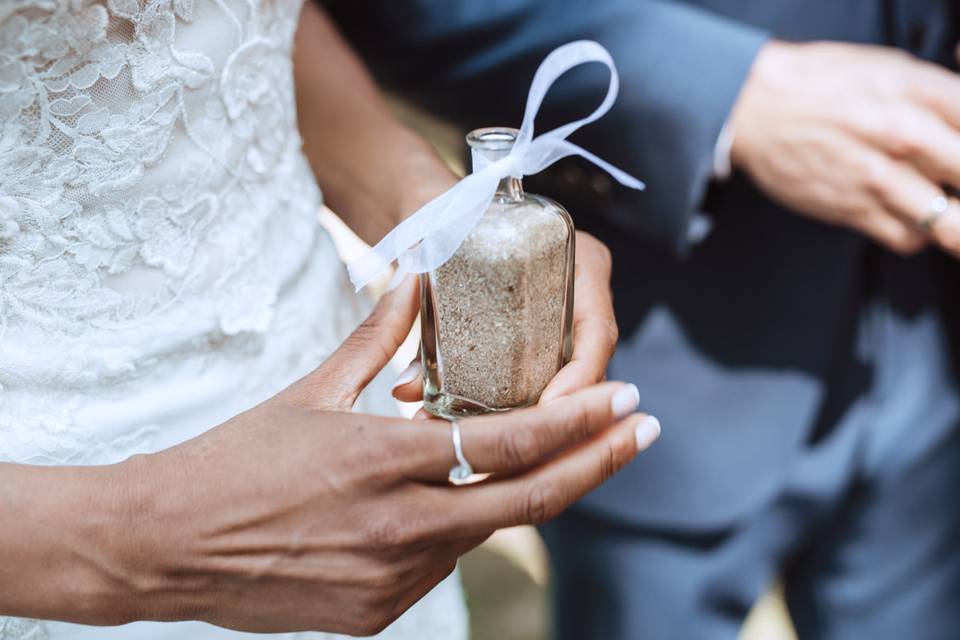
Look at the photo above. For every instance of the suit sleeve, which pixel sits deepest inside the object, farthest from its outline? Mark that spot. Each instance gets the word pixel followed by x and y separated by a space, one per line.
pixel 681 70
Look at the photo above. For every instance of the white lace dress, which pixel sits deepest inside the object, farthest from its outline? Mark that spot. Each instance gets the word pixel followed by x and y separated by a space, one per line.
pixel 161 263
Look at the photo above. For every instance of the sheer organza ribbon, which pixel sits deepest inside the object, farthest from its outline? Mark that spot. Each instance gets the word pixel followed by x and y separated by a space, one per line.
pixel 430 237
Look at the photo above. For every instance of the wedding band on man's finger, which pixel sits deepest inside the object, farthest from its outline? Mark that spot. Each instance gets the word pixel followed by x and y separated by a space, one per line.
pixel 939 207
pixel 942 223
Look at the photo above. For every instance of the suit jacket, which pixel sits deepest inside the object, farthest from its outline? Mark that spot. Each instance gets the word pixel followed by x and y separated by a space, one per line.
pixel 745 344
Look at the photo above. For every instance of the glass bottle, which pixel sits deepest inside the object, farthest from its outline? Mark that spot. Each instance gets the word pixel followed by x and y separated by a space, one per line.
pixel 496 318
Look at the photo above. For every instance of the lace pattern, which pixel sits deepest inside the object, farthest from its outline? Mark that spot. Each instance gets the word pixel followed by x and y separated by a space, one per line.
pixel 21 629
pixel 145 162
pixel 158 227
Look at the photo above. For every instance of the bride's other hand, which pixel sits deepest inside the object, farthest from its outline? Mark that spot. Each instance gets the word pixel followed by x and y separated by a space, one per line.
pixel 594 329
pixel 384 172
pixel 301 515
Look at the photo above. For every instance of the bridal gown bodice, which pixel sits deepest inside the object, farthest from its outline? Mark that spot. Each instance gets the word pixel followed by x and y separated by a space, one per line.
pixel 161 263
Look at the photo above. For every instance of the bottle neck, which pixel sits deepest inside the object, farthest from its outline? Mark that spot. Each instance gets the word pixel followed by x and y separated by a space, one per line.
pixel 509 189
pixel 490 145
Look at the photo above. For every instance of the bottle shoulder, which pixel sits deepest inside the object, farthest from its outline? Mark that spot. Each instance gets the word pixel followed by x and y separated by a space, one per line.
pixel 518 231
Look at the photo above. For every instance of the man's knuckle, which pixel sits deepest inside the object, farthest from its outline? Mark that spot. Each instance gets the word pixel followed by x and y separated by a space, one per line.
pixel 925 83
pixel 877 177
pixel 904 140
pixel 914 87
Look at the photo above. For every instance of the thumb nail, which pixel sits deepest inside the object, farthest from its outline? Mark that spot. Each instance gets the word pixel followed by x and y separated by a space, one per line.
pixel 409 374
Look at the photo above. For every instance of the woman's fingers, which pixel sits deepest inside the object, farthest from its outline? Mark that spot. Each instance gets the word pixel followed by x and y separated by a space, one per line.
pixel 513 442
pixel 544 492
pixel 336 384
pixel 594 325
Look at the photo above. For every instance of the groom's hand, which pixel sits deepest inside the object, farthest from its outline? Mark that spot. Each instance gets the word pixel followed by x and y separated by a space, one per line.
pixel 861 136
pixel 594 329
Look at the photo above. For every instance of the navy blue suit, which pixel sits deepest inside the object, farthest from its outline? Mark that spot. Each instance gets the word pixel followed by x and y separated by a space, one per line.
pixel 804 377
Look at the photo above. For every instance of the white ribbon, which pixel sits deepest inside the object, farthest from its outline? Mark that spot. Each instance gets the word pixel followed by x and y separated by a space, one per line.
pixel 431 236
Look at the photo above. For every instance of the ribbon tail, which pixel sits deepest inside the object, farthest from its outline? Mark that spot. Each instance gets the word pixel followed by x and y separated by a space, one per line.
pixel 619 175
pixel 402 237
pixel 443 240
pixel 416 242
pixel 548 149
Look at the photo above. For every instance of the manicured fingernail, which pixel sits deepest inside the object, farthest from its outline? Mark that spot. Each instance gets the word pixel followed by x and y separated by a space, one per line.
pixel 625 401
pixel 409 374
pixel 647 432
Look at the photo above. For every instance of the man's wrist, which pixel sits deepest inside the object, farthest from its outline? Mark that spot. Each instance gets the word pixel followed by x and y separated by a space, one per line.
pixel 769 69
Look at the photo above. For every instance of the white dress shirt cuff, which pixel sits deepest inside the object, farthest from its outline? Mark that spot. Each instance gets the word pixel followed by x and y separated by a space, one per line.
pixel 722 167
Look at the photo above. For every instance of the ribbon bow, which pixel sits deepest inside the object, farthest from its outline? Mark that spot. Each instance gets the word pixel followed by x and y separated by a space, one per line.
pixel 430 237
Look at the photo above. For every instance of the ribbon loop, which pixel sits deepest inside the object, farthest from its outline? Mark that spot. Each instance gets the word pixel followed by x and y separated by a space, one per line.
pixel 430 237
pixel 556 64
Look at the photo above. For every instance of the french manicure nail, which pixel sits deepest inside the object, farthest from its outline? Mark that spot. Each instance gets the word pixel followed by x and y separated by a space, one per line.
pixel 647 432
pixel 625 401
pixel 409 374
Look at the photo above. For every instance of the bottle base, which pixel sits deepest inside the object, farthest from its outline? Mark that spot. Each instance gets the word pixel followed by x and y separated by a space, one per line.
pixel 451 407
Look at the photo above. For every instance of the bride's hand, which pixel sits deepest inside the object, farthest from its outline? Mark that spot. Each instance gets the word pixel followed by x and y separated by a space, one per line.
pixel 300 515
pixel 594 329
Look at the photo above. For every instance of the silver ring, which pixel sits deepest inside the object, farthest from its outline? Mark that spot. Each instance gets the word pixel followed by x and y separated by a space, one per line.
pixel 938 207
pixel 461 473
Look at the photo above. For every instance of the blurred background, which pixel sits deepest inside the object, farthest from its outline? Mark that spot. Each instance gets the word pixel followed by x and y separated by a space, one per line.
pixel 507 578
